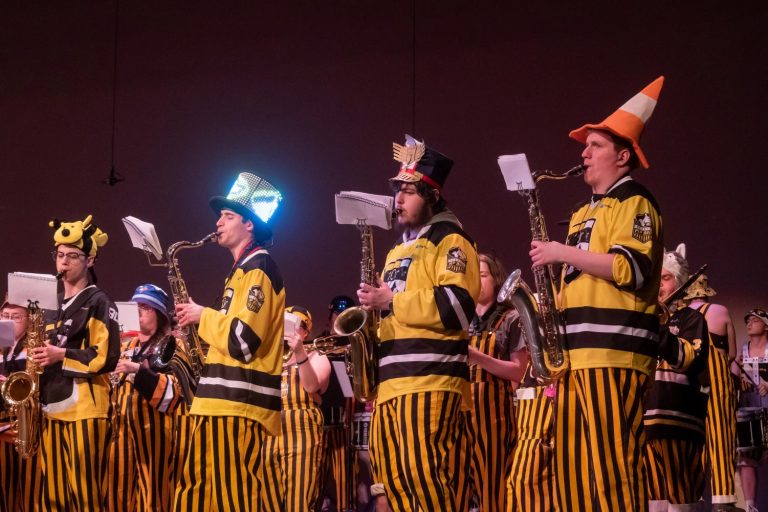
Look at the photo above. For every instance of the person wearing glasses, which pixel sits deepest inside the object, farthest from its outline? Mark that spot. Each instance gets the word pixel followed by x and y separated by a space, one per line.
pixel 84 347
pixel 149 402
pixel 20 481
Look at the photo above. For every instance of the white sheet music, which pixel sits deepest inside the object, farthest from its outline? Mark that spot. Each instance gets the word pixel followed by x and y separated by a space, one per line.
pixel 143 236
pixel 374 210
pixel 128 316
pixel 41 288
pixel 6 333
pixel 340 369
pixel 291 324
pixel 517 174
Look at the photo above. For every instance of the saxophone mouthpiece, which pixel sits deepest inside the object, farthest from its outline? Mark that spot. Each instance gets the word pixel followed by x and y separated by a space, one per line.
pixel 576 171
pixel 59 275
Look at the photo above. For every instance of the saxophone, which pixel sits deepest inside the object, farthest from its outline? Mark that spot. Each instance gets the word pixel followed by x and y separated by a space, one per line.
pixel 541 321
pixel 21 391
pixel 189 335
pixel 362 328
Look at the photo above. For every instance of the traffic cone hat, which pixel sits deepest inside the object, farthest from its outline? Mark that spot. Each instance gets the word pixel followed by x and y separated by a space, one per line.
pixel 629 121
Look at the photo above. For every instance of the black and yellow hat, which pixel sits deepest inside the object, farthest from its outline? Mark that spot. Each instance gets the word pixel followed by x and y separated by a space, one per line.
pixel 254 198
pixel 303 314
pixel 421 163
pixel 82 234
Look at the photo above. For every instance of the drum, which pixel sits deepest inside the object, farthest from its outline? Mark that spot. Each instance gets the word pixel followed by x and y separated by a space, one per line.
pixel 751 432
pixel 361 423
pixel 333 417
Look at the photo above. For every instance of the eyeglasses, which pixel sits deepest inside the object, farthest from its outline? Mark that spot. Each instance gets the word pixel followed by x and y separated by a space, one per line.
pixel 16 318
pixel 71 256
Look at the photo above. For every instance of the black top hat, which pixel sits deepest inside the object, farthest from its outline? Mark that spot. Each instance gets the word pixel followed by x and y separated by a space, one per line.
pixel 255 199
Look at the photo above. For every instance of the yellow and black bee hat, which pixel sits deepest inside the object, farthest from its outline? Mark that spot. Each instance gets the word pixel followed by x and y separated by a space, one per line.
pixel 82 234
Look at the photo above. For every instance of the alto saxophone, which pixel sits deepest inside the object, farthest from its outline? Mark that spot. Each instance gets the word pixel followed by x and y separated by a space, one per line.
pixel 362 328
pixel 189 335
pixel 541 321
pixel 21 391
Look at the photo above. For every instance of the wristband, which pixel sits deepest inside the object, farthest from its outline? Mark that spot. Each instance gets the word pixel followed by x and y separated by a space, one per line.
pixel 299 363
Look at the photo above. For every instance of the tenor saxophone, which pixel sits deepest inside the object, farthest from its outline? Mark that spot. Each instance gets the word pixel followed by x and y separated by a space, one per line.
pixel 541 322
pixel 362 327
pixel 21 391
pixel 189 334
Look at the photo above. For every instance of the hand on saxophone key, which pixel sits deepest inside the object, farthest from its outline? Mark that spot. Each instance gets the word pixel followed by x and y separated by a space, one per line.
pixel 546 253
pixel 371 297
pixel 47 354
pixel 189 313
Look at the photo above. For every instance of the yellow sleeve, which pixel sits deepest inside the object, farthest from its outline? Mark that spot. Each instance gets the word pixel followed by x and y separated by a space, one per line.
pixel 239 332
pixel 450 302
pixel 635 235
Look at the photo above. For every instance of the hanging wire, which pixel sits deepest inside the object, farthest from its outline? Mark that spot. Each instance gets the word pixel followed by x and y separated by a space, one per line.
pixel 413 68
pixel 114 177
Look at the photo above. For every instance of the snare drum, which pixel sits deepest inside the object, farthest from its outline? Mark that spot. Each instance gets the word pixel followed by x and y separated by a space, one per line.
pixel 751 432
pixel 361 423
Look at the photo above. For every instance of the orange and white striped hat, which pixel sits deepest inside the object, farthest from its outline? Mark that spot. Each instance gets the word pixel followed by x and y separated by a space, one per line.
pixel 629 121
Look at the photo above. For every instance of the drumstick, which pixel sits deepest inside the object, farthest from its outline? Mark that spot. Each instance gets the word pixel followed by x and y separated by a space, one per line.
pixel 744 372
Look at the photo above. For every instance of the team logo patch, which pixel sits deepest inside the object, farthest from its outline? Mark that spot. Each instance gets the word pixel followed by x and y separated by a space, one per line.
pixel 642 228
pixel 579 239
pixel 255 298
pixel 457 260
pixel 226 300
pixel 396 276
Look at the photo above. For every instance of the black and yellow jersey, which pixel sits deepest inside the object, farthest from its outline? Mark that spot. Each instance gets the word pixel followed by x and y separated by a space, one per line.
pixel 161 391
pixel 243 365
pixel 495 333
pixel 676 405
pixel 435 279
pixel 77 388
pixel 613 324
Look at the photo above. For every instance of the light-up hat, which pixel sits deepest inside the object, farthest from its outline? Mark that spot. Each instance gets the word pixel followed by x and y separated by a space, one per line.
pixel 419 162
pixel 629 121
pixel 254 198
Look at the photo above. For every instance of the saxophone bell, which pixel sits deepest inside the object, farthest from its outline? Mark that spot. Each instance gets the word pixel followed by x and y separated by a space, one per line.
pixel 21 391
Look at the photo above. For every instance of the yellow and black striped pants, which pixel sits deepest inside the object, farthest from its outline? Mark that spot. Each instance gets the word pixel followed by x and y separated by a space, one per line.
pixel 74 464
pixel 291 462
pixel 486 441
pixel 675 471
pixel 221 472
pixel 335 467
pixel 530 486
pixel 141 458
pixel 600 441
pixel 412 443
pixel 20 480
pixel 183 425
pixel 720 453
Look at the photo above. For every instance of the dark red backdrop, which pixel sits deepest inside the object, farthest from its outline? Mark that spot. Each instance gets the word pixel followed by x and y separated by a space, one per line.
pixel 311 95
